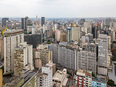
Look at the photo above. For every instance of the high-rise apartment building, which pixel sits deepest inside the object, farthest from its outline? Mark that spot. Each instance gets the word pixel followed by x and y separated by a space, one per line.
pixel 63 37
pixel 75 33
pixel 86 60
pixel 54 49
pixel 4 21
pixel 12 39
pixel 73 58
pixel 45 78
pixel 42 21
pixel 23 58
pixel 104 53
pixel 45 55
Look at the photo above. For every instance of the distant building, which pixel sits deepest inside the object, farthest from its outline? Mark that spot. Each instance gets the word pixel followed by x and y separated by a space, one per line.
pixel 12 39
pixel 42 21
pixel 81 22
pixel 75 33
pixel 98 83
pixel 63 37
pixel 24 23
pixel 69 35
pixel 33 39
pixel 4 21
pixel 108 21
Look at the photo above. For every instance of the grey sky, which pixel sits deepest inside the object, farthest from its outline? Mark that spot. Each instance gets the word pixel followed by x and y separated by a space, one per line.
pixel 58 8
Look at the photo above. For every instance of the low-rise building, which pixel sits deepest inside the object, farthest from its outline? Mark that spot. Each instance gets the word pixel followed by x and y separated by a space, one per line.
pixel 60 78
pixel 98 83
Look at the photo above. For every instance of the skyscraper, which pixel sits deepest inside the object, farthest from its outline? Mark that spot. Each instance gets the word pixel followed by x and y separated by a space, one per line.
pixel 23 23
pixel 4 21
pixel 104 53
pixel 42 21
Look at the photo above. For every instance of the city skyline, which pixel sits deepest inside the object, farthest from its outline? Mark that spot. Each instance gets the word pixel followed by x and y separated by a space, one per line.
pixel 58 8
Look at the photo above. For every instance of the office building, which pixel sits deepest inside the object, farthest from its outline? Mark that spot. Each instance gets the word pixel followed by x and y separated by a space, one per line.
pixel 33 39
pixel 24 23
pixel 4 21
pixel 42 21
pixel 12 39
pixel 23 58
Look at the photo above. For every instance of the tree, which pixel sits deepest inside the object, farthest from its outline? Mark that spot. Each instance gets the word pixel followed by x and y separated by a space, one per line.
pixel 110 82
pixel 43 40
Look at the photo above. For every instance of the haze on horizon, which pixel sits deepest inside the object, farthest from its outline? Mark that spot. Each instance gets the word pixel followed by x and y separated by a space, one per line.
pixel 58 8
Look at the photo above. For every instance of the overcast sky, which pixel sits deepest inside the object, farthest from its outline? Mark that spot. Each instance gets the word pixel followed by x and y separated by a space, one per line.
pixel 58 8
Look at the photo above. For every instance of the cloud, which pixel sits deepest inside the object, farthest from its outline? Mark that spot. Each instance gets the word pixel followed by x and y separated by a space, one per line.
pixel 58 8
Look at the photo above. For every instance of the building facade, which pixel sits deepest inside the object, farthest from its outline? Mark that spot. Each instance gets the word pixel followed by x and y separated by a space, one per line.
pixel 12 39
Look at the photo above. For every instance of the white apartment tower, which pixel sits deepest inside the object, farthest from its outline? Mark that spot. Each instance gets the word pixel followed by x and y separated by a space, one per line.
pixel 12 39
pixel 45 80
